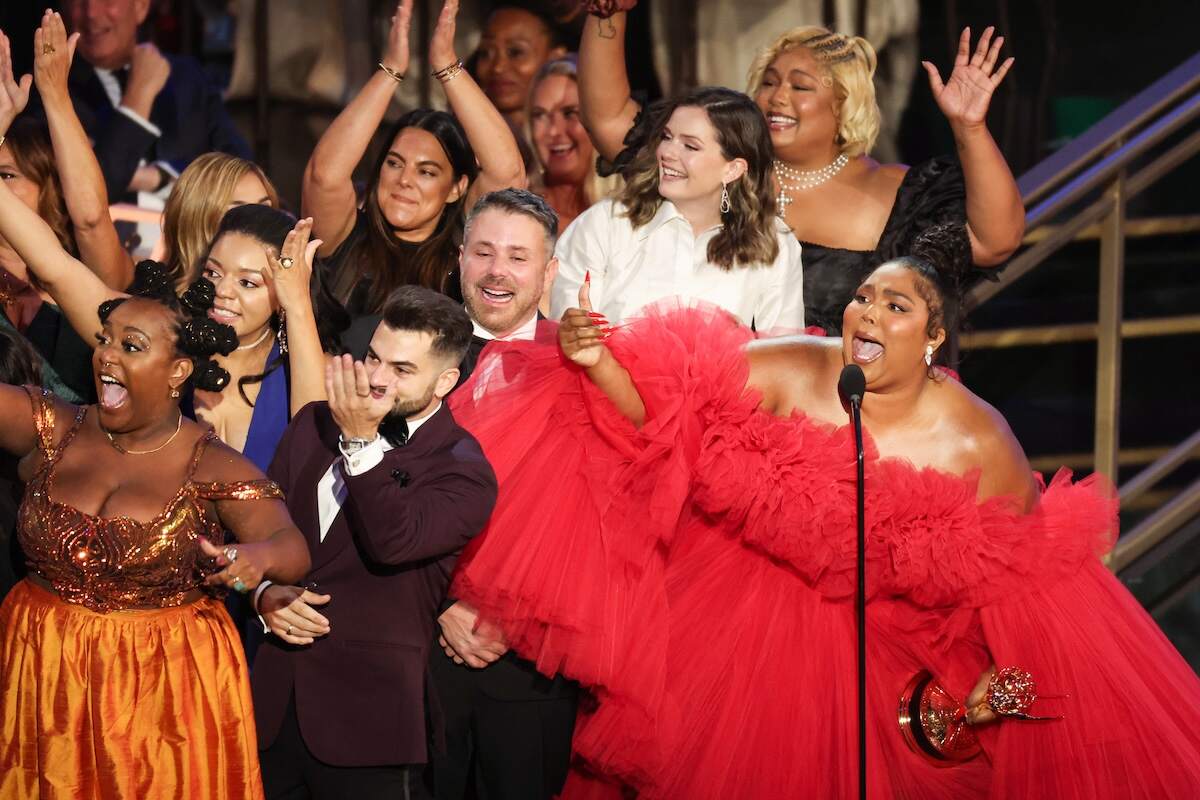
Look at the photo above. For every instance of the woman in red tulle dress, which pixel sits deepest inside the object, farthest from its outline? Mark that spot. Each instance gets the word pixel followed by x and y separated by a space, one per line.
pixel 695 568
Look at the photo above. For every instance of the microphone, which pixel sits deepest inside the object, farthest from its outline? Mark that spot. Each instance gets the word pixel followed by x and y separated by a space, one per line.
pixel 852 384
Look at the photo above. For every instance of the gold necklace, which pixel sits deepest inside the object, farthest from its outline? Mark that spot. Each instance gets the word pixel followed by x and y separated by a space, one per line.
pixel 122 450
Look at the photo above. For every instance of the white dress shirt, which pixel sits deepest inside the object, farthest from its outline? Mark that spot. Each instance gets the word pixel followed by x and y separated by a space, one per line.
pixel 634 267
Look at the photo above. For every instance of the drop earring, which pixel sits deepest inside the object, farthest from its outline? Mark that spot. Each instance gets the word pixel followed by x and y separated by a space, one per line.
pixel 726 206
pixel 929 355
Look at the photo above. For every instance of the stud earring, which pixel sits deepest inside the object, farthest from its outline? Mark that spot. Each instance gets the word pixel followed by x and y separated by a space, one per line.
pixel 726 205
pixel 174 393
pixel 929 355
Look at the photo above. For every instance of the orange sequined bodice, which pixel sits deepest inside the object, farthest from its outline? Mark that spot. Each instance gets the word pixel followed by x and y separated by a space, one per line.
pixel 113 563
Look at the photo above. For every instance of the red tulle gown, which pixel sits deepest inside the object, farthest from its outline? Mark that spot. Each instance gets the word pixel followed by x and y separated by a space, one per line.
pixel 697 575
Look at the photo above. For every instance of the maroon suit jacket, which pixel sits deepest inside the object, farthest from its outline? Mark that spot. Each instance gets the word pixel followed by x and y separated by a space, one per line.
pixel 386 562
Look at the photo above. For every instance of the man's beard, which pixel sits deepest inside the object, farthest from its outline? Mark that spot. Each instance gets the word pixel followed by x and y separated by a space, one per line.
pixel 497 320
pixel 404 408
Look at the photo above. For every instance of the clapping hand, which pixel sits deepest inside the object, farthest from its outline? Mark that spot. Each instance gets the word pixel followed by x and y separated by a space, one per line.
pixel 582 332
pixel 290 274
pixel 53 52
pixel 395 51
pixel 441 44
pixel 14 95
pixel 357 407
pixel 965 97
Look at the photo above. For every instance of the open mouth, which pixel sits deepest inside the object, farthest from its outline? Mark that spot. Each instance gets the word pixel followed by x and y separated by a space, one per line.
pixel 781 122
pixel 671 174
pixel 561 150
pixel 864 349
pixel 223 315
pixel 496 296
pixel 113 393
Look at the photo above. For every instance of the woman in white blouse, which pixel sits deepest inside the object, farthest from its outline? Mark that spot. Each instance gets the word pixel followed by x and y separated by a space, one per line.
pixel 696 220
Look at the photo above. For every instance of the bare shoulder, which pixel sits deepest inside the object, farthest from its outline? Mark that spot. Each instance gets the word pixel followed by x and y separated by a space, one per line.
pixel 987 443
pixel 881 181
pixel 787 368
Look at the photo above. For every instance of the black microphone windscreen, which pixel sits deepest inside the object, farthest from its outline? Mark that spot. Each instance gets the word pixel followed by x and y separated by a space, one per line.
pixel 852 384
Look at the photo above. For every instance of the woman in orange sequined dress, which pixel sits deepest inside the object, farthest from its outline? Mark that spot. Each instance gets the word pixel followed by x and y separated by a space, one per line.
pixel 121 674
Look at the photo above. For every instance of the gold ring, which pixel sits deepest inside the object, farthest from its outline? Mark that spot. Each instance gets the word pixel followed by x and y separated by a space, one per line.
pixel 289 631
pixel 47 49
pixel 286 262
pixel 231 553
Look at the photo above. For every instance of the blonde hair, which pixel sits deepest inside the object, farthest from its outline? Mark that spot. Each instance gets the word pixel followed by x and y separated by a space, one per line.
pixel 595 187
pixel 195 208
pixel 850 63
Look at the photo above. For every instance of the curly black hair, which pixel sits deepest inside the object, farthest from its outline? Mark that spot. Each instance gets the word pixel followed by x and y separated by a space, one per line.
pixel 196 336
pixel 941 258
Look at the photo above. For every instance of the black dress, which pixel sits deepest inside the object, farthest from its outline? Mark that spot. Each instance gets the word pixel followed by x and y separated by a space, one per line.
pixel 931 193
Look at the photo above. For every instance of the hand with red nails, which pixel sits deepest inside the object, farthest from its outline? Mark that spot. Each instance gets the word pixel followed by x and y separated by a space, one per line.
pixel 582 332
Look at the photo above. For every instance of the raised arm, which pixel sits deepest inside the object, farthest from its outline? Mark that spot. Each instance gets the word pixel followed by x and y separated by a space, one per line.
pixel 995 214
pixel 581 335
pixel 496 150
pixel 292 287
pixel 327 191
pixel 78 170
pixel 605 97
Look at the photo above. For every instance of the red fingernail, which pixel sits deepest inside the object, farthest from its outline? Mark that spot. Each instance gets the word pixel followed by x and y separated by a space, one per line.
pixel 595 315
pixel 608 330
pixel 587 276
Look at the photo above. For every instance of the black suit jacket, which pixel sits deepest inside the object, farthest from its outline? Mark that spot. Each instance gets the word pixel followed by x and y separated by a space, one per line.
pixel 386 562
pixel 189 111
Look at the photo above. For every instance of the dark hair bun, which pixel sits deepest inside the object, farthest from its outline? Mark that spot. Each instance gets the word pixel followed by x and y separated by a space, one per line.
pixel 202 337
pixel 199 297
pixel 947 248
pixel 208 376
pixel 152 279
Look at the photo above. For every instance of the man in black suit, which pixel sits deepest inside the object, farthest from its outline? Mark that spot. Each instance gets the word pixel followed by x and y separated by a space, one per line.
pixel 148 114
pixel 507 727
pixel 387 489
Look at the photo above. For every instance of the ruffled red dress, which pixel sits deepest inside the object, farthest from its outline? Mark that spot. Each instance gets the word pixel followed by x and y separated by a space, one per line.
pixel 697 575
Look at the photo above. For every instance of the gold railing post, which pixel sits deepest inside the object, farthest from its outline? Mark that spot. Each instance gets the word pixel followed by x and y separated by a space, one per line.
pixel 1108 338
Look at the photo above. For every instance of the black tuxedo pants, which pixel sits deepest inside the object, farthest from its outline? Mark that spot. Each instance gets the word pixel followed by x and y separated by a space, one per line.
pixel 291 772
pixel 501 745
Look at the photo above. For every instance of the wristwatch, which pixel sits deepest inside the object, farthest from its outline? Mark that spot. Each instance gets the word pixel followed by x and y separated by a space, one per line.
pixel 352 445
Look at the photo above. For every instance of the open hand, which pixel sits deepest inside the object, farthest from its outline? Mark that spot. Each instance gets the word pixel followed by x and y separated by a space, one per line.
pixel 289 613
pixel 357 407
pixel 441 45
pixel 53 52
pixel 291 283
pixel 395 50
pixel 582 332
pixel 468 641
pixel 14 95
pixel 965 97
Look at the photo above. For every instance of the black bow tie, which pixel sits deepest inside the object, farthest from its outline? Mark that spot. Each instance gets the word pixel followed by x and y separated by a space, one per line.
pixel 394 428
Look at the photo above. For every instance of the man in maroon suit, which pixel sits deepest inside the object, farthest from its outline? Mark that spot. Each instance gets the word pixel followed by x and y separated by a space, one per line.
pixel 387 489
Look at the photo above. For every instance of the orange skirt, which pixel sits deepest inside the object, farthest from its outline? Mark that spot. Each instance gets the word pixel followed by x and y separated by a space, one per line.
pixel 122 705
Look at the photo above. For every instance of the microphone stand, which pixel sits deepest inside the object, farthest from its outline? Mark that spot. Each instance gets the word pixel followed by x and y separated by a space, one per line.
pixel 860 596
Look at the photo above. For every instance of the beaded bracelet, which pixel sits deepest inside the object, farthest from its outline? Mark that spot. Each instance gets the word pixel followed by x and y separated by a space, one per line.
pixel 393 74
pixel 447 74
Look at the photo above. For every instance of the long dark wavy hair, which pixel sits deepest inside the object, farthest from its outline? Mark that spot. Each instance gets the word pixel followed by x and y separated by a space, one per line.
pixel 270 226
pixel 748 232
pixel 380 256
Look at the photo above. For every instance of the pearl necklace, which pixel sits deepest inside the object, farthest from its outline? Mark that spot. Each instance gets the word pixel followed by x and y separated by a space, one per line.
pixel 802 180
pixel 256 342
pixel 122 450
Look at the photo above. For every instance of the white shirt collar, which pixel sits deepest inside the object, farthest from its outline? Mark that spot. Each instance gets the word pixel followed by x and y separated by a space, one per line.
pixel 413 424
pixel 523 333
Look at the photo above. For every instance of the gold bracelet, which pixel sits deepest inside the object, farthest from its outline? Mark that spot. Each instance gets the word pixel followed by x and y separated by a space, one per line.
pixel 447 74
pixel 393 74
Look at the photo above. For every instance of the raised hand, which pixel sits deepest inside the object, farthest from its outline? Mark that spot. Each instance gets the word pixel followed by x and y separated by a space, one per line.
pixel 441 44
pixel 53 52
pixel 582 332
pixel 357 407
pixel 395 50
pixel 148 74
pixel 965 97
pixel 14 95
pixel 289 275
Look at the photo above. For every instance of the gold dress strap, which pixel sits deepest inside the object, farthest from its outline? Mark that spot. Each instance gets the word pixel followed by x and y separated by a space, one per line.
pixel 261 489
pixel 42 400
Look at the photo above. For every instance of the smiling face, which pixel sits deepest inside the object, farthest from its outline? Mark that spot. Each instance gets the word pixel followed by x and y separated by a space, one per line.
pixel 514 46
pixel 107 29
pixel 691 166
pixel 796 96
pixel 235 267
pixel 562 145
pixel 885 328
pixel 136 365
pixel 505 270
pixel 416 183
pixel 405 360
